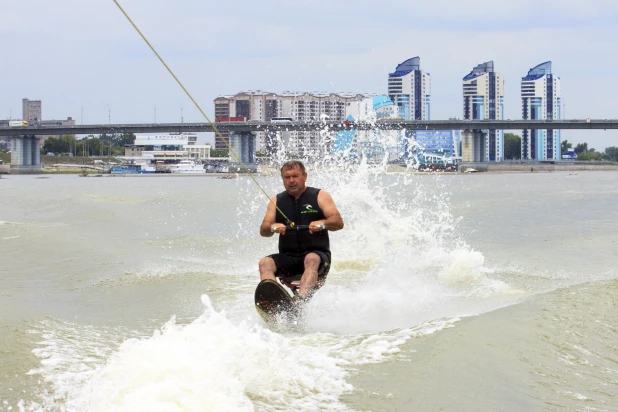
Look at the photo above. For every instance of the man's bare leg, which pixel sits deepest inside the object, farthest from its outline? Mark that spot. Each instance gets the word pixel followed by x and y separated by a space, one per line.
pixel 309 280
pixel 267 268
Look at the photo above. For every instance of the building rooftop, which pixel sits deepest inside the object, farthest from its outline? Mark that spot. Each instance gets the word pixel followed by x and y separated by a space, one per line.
pixel 381 101
pixel 406 67
pixel 538 71
pixel 288 93
pixel 480 70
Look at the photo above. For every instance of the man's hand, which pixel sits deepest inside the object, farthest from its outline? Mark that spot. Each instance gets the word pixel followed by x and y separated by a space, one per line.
pixel 317 226
pixel 278 228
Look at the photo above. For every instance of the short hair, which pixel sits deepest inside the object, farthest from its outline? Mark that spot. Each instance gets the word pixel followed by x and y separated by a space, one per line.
pixel 293 164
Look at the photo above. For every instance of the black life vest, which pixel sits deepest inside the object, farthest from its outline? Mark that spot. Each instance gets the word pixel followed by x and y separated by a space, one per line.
pixel 301 211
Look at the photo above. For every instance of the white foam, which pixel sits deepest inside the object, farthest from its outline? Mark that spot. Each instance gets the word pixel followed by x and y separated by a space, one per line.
pixel 368 348
pixel 209 364
pixel 399 261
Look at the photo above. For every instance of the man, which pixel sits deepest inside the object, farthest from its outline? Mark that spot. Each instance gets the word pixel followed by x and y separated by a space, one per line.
pixel 305 252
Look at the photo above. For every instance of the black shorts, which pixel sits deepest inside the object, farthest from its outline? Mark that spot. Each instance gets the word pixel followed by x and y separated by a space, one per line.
pixel 291 264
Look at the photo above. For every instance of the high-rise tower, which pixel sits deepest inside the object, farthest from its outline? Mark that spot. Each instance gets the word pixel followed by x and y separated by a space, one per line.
pixel 483 98
pixel 541 100
pixel 409 88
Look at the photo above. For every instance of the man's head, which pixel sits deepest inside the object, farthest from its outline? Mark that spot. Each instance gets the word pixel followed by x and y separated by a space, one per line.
pixel 294 177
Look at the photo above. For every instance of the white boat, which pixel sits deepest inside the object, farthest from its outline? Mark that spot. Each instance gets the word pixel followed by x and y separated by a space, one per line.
pixel 188 167
pixel 145 166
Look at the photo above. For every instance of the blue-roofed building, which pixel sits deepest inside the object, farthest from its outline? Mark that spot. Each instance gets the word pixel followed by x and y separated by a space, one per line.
pixel 409 88
pixel 541 100
pixel 483 98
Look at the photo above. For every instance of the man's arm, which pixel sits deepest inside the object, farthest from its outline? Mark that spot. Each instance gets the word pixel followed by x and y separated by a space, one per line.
pixel 333 220
pixel 269 221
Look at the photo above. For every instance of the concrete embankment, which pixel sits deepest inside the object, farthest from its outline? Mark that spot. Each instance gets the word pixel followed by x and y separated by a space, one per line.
pixel 520 168
pixel 538 167
pixel 480 167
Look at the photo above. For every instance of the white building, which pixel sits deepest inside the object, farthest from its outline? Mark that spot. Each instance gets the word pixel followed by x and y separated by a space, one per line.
pixel 168 147
pixel 409 88
pixel 483 98
pixel 301 106
pixel 541 100
pixel 370 109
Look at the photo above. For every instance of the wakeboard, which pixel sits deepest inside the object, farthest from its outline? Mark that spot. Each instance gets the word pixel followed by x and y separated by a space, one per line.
pixel 272 301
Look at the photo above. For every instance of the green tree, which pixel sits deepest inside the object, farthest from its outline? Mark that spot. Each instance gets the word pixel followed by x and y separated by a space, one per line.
pixel 612 153
pixel 581 148
pixel 110 147
pixel 590 155
pixel 113 144
pixel 88 146
pixel 565 145
pixel 122 139
pixel 512 146
pixel 52 144
pixel 95 147
pixel 68 143
pixel 80 147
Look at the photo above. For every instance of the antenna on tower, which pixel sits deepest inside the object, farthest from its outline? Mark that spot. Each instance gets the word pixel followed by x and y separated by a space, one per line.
pixel 182 120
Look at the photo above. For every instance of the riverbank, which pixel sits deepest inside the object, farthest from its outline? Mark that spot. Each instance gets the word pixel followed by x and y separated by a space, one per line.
pixel 391 168
pixel 538 167
pixel 510 168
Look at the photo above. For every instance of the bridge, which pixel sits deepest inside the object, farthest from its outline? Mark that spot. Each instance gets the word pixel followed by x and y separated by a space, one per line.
pixel 252 126
pixel 25 155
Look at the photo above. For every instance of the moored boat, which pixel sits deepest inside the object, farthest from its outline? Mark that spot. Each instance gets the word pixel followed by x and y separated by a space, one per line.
pixel 188 167
pixel 130 169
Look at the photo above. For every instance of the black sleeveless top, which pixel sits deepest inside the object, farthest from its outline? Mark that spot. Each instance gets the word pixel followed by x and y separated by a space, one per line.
pixel 301 211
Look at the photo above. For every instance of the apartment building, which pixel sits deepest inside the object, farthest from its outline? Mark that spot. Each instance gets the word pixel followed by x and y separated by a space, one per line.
pixel 483 98
pixel 541 100
pixel 409 88
pixel 300 106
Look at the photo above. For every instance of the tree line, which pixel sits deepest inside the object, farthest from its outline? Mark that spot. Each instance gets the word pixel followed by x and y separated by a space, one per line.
pixel 512 149
pixel 102 145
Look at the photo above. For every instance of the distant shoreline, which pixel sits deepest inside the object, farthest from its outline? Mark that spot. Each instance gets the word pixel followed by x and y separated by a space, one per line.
pixel 391 168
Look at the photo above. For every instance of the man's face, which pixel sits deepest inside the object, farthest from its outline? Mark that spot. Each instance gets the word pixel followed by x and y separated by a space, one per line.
pixel 294 181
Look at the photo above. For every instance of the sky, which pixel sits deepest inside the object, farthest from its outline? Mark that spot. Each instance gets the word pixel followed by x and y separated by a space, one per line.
pixel 84 60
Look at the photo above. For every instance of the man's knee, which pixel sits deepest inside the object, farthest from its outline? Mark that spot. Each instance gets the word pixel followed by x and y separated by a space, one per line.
pixel 312 260
pixel 267 264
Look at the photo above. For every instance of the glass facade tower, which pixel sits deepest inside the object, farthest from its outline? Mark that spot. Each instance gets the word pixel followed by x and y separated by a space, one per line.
pixel 483 98
pixel 409 88
pixel 541 100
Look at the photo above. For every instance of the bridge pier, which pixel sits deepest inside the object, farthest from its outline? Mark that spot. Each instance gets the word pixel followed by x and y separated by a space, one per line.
pixel 473 146
pixel 243 144
pixel 25 155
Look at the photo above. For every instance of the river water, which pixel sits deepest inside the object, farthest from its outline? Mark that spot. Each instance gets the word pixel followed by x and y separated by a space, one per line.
pixel 477 292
